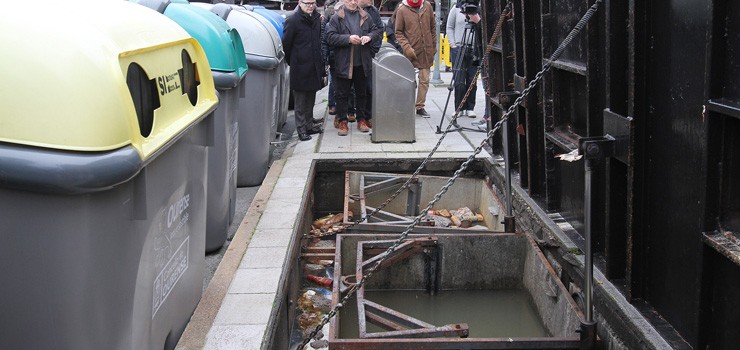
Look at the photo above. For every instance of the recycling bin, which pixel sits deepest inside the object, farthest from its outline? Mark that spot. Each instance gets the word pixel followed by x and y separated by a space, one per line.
pixel 277 21
pixel 394 93
pixel 264 54
pixel 224 50
pixel 103 154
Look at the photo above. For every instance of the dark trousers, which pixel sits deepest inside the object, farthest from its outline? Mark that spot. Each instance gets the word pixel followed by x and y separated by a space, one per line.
pixel 331 101
pixel 303 109
pixel 343 90
pixel 463 78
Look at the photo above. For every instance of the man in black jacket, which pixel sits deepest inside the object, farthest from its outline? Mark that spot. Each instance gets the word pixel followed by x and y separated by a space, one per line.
pixel 302 46
pixel 374 45
pixel 348 32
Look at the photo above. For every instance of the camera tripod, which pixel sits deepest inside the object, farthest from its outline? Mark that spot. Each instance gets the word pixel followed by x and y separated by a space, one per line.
pixel 466 47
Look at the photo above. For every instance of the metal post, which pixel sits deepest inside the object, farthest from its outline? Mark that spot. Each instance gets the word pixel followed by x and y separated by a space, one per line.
pixel 588 326
pixel 588 273
pixel 436 79
pixel 509 224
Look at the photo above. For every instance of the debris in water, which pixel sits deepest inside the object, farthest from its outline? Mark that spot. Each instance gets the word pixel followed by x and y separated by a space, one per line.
pixel 324 281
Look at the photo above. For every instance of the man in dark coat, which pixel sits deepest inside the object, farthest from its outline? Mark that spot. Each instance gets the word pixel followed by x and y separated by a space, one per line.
pixel 302 46
pixel 349 32
pixel 374 46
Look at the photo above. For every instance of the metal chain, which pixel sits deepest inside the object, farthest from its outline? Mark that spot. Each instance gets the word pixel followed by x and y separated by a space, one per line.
pixel 578 27
pixel 489 48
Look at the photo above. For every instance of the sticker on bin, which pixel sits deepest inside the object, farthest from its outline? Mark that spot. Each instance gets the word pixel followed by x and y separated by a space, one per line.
pixel 170 274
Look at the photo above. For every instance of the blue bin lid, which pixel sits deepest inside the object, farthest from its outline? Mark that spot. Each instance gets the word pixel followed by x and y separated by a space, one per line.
pixel 277 20
pixel 263 47
pixel 222 44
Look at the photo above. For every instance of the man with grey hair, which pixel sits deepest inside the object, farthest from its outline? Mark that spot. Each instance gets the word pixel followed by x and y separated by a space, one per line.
pixel 302 47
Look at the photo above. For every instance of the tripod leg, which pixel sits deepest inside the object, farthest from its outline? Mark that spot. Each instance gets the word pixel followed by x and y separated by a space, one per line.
pixel 462 51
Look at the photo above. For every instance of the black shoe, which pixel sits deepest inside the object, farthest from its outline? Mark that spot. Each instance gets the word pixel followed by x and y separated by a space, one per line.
pixel 303 136
pixel 422 112
pixel 315 130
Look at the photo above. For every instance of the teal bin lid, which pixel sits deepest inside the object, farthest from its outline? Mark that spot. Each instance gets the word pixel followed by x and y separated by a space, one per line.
pixel 222 44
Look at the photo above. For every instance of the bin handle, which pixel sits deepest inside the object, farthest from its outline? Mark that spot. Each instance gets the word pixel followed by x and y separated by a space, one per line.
pixel 63 172
pixel 394 72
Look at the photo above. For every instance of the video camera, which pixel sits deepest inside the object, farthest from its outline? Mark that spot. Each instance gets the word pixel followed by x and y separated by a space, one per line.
pixel 468 7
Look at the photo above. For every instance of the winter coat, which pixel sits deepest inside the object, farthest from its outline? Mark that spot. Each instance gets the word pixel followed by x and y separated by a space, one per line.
pixel 415 31
pixel 302 47
pixel 337 36
pixel 374 14
pixel 326 50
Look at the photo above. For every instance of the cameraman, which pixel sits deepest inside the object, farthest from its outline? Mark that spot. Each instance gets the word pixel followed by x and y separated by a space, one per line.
pixel 464 27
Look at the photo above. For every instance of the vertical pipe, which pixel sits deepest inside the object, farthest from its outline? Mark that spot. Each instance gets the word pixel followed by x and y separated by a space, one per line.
pixel 507 162
pixel 509 224
pixel 588 268
pixel 436 78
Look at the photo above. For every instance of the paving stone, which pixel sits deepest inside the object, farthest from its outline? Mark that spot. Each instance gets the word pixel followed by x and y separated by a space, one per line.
pixel 243 309
pixel 235 337
pixel 256 280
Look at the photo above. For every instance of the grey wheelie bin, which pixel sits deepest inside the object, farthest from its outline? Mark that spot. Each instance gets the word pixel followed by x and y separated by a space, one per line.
pixel 264 55
pixel 394 84
pixel 223 47
pixel 277 22
pixel 103 155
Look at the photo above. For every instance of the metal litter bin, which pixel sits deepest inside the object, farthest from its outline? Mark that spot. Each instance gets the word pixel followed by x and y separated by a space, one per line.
pixel 394 95
pixel 223 47
pixel 103 181
pixel 264 55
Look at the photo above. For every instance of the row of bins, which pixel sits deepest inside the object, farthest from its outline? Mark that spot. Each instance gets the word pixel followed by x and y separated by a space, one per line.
pixel 123 134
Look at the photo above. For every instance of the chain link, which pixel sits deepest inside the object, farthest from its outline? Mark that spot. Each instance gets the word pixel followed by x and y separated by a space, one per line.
pixel 578 27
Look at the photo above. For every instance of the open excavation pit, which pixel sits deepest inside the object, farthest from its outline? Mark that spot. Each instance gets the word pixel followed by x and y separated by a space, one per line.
pixel 451 291
pixel 466 286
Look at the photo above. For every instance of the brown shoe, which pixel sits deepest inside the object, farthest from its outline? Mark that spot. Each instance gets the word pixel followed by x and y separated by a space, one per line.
pixel 343 129
pixel 362 126
pixel 351 117
pixel 332 110
pixel 336 122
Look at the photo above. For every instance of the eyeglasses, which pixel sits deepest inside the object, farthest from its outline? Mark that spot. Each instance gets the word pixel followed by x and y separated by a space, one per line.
pixel 308 3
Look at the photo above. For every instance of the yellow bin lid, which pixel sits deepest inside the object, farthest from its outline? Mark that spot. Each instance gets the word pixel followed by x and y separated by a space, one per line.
pixel 96 75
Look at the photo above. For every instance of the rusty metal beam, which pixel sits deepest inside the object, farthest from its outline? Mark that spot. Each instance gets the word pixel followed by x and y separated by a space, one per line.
pixel 455 343
pixel 400 320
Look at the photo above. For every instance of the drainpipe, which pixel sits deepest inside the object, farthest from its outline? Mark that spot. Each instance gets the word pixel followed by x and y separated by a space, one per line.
pixel 509 223
pixel 436 78
pixel 588 326
pixel 593 150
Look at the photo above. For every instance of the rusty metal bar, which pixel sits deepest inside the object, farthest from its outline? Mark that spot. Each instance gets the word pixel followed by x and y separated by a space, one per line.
pixel 455 343
pixel 384 228
pixel 320 256
pixel 318 253
pixel 403 251
pixel 387 184
pixel 400 320
pixel 384 216
pixel 447 331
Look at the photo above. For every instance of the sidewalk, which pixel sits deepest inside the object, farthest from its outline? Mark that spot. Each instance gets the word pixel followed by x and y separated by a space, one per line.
pixel 240 300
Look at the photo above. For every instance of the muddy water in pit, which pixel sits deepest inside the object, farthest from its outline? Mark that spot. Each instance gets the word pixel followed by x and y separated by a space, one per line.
pixel 488 313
